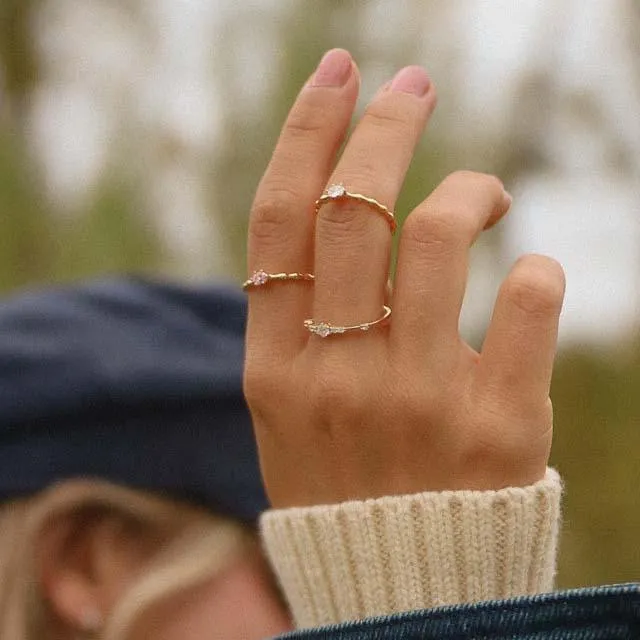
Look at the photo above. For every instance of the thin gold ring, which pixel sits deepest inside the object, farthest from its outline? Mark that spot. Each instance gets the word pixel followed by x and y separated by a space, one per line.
pixel 335 192
pixel 326 329
pixel 260 277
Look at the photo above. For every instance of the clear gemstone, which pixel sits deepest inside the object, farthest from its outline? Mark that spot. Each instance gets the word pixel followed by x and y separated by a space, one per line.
pixel 259 277
pixel 336 191
pixel 323 330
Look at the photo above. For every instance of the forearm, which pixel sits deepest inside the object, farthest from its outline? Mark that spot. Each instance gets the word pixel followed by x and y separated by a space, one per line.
pixel 366 558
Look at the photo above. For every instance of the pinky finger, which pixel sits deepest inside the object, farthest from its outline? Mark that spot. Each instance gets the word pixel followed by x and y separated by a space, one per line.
pixel 520 346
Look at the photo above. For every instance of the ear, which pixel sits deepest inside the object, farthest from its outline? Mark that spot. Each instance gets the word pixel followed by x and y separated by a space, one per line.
pixel 86 561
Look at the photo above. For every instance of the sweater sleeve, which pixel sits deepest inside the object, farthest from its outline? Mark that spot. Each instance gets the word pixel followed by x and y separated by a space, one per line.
pixel 359 559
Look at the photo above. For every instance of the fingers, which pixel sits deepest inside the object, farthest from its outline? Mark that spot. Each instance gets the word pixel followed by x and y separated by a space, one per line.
pixel 518 352
pixel 352 239
pixel 433 260
pixel 282 219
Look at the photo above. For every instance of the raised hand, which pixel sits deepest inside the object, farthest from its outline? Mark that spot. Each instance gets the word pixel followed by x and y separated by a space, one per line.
pixel 405 406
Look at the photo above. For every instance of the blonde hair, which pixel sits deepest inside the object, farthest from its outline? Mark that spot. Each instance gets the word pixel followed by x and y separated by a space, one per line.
pixel 201 545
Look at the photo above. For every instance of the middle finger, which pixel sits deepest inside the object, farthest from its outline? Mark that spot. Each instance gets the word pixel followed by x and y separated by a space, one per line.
pixel 353 241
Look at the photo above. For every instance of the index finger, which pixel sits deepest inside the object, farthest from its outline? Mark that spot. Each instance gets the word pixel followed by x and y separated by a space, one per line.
pixel 282 218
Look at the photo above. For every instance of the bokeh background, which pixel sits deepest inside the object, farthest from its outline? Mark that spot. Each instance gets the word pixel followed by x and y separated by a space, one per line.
pixel 133 134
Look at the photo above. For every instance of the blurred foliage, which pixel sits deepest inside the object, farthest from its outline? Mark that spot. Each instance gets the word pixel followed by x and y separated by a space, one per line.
pixel 38 246
pixel 596 444
pixel 596 402
pixel 26 228
pixel 110 237
pixel 17 51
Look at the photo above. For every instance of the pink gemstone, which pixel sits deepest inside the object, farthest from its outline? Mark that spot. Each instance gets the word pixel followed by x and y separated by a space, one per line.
pixel 259 277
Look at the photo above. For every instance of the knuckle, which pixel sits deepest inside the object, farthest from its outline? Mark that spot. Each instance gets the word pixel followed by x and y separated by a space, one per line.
pixel 337 398
pixel 305 122
pixel 270 214
pixel 262 385
pixel 495 440
pixel 490 448
pixel 436 229
pixel 492 184
pixel 314 115
pixel 536 285
pixel 364 176
pixel 343 221
pixel 381 114
pixel 421 401
pixel 480 181
pixel 256 384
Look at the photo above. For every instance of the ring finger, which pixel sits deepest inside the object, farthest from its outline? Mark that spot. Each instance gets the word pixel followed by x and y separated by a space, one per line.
pixel 281 223
pixel 352 239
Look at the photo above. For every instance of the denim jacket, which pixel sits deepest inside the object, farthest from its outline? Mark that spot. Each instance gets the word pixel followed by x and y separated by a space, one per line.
pixel 611 613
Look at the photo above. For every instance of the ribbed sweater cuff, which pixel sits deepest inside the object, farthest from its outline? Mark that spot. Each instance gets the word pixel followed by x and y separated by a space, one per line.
pixel 357 559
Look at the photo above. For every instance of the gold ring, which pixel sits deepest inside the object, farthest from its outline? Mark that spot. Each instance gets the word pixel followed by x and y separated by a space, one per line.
pixel 325 329
pixel 336 192
pixel 260 277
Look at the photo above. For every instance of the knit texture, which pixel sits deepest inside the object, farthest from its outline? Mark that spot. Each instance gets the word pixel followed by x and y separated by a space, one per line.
pixel 358 559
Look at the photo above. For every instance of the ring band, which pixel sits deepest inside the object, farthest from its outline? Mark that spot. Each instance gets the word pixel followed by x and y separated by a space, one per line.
pixel 325 329
pixel 260 277
pixel 339 192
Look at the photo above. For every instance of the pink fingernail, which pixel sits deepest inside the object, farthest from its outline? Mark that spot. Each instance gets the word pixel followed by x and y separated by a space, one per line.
pixel 507 200
pixel 411 80
pixel 334 69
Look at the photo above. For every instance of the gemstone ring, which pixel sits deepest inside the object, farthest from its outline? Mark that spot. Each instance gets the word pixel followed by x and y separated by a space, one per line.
pixel 260 277
pixel 338 192
pixel 326 329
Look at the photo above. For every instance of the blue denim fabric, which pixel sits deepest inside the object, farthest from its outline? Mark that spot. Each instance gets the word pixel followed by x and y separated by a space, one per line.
pixel 611 613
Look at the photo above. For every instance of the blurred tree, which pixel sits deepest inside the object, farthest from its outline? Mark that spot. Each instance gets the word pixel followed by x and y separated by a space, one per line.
pixel 17 53
pixel 111 236
pixel 25 229
pixel 38 245
pixel 26 232
pixel 596 440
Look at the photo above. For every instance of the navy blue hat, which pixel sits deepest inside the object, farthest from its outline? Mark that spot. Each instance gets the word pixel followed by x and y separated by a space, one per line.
pixel 135 382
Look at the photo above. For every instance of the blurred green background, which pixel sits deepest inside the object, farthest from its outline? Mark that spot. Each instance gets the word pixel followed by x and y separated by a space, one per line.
pixel 133 134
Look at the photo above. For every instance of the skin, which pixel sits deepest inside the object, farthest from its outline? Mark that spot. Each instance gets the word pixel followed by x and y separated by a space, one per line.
pixel 87 570
pixel 408 406
pixel 241 603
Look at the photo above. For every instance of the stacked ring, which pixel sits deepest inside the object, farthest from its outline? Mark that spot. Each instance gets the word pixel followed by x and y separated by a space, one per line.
pixel 260 277
pixel 336 192
pixel 325 329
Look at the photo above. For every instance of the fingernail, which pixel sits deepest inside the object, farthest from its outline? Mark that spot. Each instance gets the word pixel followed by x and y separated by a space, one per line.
pixel 334 69
pixel 507 199
pixel 411 80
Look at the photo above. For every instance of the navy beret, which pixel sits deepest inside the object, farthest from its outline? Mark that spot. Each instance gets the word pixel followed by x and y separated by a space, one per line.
pixel 131 381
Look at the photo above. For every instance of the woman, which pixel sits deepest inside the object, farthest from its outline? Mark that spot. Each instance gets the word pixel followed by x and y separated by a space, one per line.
pixel 128 475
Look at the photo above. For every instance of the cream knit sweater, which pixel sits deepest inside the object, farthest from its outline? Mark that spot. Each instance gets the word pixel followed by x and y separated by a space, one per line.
pixel 357 559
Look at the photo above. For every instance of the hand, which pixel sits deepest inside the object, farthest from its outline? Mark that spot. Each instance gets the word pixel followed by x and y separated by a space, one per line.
pixel 406 406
